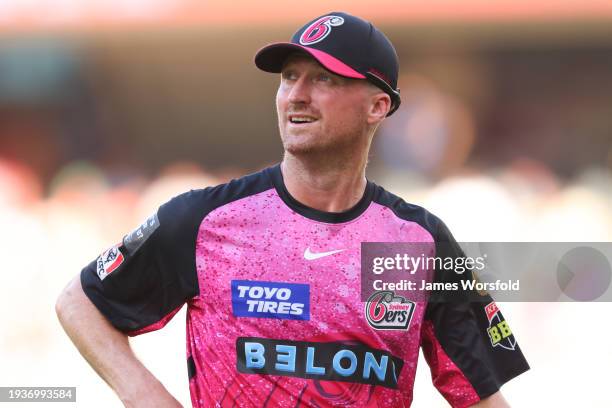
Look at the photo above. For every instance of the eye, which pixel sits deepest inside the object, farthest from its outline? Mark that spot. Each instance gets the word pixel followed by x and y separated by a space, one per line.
pixel 324 77
pixel 289 75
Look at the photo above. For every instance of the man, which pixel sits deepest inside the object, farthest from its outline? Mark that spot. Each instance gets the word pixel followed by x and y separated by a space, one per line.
pixel 269 264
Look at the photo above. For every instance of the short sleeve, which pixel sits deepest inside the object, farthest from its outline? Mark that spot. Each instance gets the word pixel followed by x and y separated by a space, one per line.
pixel 466 340
pixel 142 281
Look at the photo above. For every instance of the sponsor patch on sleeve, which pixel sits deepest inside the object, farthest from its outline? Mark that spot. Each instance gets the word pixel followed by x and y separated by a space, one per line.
pixel 136 238
pixel 109 261
pixel 499 332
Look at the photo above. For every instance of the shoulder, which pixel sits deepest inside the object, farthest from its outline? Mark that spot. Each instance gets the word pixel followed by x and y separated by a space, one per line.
pixel 193 205
pixel 411 212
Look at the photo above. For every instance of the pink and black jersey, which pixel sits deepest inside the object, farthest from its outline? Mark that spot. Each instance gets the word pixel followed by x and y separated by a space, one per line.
pixel 274 312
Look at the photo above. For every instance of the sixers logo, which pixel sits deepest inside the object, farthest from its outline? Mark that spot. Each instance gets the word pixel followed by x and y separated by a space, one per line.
pixel 320 29
pixel 385 311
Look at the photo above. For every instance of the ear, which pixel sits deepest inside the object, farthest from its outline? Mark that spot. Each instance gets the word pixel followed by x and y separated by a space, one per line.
pixel 380 104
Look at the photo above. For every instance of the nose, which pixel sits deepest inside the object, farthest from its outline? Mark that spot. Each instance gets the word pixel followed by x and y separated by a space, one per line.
pixel 299 92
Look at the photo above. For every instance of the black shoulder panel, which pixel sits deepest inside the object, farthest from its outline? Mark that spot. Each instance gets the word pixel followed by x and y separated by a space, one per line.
pixel 407 211
pixel 152 272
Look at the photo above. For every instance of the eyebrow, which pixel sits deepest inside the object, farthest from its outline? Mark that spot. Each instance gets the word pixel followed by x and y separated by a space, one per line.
pixel 319 67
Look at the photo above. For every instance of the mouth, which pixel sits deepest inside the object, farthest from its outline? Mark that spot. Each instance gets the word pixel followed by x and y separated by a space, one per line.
pixel 298 119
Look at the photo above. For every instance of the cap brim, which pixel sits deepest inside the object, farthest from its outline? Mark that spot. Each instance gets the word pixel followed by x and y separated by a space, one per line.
pixel 272 57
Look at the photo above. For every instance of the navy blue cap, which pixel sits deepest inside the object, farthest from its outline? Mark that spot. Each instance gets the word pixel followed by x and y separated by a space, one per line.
pixel 345 45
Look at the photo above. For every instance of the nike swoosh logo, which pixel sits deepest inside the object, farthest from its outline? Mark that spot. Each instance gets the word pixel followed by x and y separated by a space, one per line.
pixel 311 256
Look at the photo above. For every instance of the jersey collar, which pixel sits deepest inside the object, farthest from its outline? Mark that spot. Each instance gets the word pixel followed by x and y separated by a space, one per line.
pixel 276 177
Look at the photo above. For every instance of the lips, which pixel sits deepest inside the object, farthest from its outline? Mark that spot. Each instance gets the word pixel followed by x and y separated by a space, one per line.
pixel 300 119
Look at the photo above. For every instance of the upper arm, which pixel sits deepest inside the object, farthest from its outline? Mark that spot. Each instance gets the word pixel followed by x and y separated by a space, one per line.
pixel 466 340
pixel 72 298
pixel 142 281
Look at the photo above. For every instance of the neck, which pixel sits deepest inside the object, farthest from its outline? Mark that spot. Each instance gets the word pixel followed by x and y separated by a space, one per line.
pixel 323 184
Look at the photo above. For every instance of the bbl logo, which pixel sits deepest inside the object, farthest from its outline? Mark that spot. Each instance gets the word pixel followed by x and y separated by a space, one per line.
pixel 385 311
pixel 498 330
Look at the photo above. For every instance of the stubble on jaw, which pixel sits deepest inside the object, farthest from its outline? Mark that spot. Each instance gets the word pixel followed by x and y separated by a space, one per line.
pixel 347 138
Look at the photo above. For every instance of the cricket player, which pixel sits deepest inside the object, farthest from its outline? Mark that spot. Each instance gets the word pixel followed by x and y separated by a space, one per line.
pixel 269 264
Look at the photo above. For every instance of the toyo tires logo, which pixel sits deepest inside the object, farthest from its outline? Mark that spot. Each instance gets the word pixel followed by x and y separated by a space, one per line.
pixel 386 311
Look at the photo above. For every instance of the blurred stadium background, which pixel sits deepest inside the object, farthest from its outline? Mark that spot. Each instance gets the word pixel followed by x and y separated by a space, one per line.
pixel 109 108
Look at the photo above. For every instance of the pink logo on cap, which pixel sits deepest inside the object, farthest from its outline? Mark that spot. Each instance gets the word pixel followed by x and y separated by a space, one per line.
pixel 320 29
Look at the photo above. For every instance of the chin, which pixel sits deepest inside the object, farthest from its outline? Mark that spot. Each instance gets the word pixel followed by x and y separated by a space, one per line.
pixel 299 143
pixel 298 149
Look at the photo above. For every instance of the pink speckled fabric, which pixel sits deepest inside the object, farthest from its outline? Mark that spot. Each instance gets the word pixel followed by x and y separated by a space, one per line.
pixel 260 238
pixel 447 377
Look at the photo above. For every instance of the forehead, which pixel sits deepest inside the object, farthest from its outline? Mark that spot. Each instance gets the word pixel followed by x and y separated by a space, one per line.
pixel 302 59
